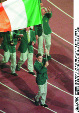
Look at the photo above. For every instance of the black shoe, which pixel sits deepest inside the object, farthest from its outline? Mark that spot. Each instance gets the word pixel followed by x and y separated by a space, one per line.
pixel 15 74
pixel 36 102
pixel 17 68
pixel 31 73
pixel 45 105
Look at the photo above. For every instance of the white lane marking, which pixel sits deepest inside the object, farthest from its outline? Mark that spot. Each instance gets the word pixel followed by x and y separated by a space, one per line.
pixel 60 9
pixel 62 64
pixel 2 111
pixel 23 95
pixel 62 39
pixel 52 85
pixel 49 83
pixel 58 62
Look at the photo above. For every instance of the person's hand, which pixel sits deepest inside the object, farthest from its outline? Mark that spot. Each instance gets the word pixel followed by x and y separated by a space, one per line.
pixel 21 35
pixel 46 51
pixel 41 4
pixel 49 9
pixel 36 37
pixel 46 64
pixel 11 43
pixel 19 39
pixel 33 43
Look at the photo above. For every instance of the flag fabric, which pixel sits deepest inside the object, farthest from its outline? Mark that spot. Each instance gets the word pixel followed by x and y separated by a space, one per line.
pixel 19 14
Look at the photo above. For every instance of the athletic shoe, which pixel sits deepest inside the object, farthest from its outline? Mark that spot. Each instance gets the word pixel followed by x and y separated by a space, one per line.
pixel 15 74
pixel 45 105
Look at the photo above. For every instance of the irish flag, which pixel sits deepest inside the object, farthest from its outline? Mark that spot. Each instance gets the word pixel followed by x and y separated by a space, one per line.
pixel 18 14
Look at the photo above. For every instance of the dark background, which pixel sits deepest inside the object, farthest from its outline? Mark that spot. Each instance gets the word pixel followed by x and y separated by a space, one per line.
pixel 2 1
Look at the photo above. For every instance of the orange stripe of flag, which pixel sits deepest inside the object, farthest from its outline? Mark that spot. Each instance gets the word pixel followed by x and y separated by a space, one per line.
pixel 4 20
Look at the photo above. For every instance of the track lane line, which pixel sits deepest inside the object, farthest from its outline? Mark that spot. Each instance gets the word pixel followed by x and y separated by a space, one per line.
pixel 62 38
pixel 24 96
pixel 49 83
pixel 62 64
pixel 2 111
pixel 52 85
pixel 60 9
pixel 58 62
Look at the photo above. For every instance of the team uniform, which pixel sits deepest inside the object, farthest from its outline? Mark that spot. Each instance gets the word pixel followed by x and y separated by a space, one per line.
pixel 10 49
pixel 41 79
pixel 26 49
pixel 44 33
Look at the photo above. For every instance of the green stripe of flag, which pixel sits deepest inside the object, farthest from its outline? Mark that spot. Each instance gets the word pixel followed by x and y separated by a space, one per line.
pixel 33 12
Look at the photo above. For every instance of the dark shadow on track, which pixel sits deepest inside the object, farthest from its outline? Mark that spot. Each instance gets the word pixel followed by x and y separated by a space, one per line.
pixel 19 83
pixel 59 75
pixel 59 103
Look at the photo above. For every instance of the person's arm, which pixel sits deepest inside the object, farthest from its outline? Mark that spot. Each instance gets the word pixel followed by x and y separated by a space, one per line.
pixel 39 69
pixel 41 4
pixel 34 38
pixel 36 30
pixel 16 34
pixel 48 57
pixel 49 15
pixel 49 12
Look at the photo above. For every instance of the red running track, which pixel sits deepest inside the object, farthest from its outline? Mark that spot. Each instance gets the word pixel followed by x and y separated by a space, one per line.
pixel 17 93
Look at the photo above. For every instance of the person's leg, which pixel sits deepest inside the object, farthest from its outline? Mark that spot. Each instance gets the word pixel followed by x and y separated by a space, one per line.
pixel 23 57
pixel 44 93
pixel 48 42
pixel 40 45
pixel 30 63
pixel 6 57
pixel 39 92
pixel 13 63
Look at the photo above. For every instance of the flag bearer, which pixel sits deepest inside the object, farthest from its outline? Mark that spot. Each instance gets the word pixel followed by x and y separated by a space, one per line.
pixel 40 67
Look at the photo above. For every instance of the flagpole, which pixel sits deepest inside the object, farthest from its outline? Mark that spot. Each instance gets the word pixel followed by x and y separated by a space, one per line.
pixel 45 48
